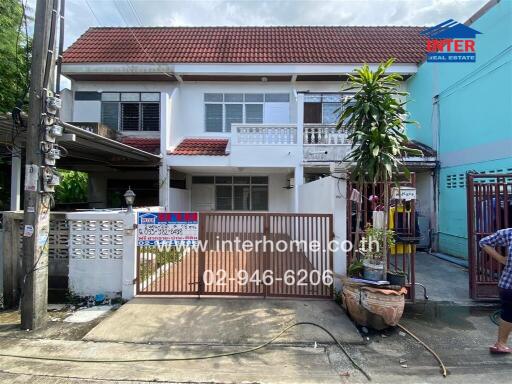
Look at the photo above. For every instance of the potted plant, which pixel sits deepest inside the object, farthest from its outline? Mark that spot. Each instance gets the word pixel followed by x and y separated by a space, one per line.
pixel 356 269
pixel 371 249
pixel 396 278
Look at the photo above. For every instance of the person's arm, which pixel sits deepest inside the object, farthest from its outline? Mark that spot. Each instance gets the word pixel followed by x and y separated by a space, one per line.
pixel 495 254
pixel 498 239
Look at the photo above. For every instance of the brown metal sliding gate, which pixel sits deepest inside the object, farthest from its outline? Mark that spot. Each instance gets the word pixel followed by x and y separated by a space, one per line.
pixel 489 209
pixel 245 254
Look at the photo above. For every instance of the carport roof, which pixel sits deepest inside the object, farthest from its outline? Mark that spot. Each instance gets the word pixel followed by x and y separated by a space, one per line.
pixel 88 150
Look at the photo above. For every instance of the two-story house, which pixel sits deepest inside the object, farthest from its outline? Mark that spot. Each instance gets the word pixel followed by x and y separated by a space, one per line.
pixel 242 116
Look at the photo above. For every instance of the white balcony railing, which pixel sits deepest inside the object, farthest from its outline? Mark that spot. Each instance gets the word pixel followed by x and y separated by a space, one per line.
pixel 264 134
pixel 324 134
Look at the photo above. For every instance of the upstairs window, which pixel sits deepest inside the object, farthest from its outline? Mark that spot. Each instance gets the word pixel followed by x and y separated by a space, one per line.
pixel 222 110
pixel 323 108
pixel 131 111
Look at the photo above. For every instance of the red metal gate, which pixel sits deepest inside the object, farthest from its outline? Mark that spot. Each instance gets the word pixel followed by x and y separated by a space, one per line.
pixel 401 257
pixel 278 259
pixel 489 208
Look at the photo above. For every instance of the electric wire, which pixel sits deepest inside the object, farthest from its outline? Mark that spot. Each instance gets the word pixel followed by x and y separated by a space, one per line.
pixel 137 40
pixel 190 358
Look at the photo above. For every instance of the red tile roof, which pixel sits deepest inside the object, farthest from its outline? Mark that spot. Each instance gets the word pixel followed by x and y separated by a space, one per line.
pixel 248 45
pixel 205 147
pixel 147 144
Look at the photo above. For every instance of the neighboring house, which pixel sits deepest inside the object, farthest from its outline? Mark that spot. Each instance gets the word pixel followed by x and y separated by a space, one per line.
pixel 464 114
pixel 241 115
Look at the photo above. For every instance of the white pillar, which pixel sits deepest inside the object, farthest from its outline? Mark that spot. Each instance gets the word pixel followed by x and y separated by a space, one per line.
pixel 163 172
pixel 15 181
pixel 299 180
pixel 299 169
pixel 164 185
pixel 129 255
pixel 300 121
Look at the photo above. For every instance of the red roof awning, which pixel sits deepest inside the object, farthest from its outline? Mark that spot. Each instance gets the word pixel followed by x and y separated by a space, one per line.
pixel 204 147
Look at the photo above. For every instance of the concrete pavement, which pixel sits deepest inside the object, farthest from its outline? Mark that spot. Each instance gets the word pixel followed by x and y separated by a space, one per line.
pixel 216 321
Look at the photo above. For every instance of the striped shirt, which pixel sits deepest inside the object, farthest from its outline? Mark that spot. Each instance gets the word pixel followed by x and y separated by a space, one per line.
pixel 502 238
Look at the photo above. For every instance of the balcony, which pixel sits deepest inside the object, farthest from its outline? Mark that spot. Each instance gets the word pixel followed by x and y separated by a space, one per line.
pixel 324 143
pixel 321 143
pixel 264 134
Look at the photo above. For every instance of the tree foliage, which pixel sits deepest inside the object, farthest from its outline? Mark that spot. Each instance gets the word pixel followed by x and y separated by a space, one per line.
pixel 72 188
pixel 15 48
pixel 375 120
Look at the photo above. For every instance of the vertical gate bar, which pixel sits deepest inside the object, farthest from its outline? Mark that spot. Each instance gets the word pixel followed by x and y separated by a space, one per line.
pixel 236 234
pixel 331 258
pixel 200 268
pixel 222 288
pixel 282 255
pixel 229 253
pixel 137 273
pixel 310 258
pixel 487 228
pixel 286 257
pixel 295 234
pixel 323 255
pixel 229 234
pixel 233 236
pixel 497 224
pixel 251 236
pixel 258 257
pixel 302 258
pixel 266 231
pixel 279 264
pixel 306 251
pixel 314 289
pixel 246 255
pixel 256 231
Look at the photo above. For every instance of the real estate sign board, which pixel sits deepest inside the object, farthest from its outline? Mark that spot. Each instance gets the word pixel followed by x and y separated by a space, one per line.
pixel 167 228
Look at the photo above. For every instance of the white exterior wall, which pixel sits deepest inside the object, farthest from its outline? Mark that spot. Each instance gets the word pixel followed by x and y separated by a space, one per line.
pixel 191 119
pixel 280 199
pixel 323 196
pixel 179 200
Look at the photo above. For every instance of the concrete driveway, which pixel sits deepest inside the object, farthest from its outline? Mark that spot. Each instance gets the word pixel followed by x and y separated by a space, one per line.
pixel 219 321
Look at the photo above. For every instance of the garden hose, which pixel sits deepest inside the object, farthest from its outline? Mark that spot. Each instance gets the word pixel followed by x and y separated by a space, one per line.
pixel 494 317
pixel 441 364
pixel 77 360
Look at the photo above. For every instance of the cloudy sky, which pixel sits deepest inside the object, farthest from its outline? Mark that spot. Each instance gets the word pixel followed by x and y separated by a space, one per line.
pixel 82 14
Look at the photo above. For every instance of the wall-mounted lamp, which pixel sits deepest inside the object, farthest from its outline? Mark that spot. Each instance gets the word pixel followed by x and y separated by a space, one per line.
pixel 129 198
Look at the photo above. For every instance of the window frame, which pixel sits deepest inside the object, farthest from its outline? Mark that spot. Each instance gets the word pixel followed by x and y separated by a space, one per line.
pixel 140 102
pixel 321 95
pixel 243 103
pixel 233 184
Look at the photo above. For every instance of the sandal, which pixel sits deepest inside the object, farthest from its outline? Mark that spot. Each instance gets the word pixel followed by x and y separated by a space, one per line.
pixel 499 349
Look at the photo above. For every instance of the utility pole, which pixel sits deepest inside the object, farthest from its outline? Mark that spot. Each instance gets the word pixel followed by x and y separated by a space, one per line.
pixel 40 177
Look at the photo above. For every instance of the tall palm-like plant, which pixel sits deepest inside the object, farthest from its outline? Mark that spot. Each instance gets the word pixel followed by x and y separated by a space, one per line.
pixel 374 119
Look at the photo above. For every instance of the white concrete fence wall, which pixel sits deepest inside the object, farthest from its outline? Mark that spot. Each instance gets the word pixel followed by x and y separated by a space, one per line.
pixel 179 200
pixel 102 253
pixel 327 195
